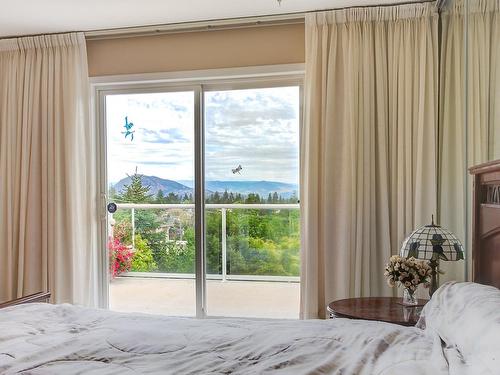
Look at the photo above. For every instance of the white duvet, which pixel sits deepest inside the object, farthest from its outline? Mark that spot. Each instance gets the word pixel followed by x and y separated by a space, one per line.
pixel 64 339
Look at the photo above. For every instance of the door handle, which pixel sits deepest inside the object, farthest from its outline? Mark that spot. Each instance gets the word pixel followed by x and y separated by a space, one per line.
pixel 111 207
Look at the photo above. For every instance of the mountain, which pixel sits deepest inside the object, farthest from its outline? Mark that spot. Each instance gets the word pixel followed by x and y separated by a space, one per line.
pixel 155 184
pixel 263 188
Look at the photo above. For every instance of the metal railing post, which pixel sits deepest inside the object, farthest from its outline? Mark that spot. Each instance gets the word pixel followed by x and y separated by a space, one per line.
pixel 111 226
pixel 133 228
pixel 224 244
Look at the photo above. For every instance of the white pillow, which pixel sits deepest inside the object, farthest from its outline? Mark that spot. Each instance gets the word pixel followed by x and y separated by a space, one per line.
pixel 467 316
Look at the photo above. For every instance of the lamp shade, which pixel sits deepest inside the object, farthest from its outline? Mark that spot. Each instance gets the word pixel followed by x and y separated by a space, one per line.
pixel 432 242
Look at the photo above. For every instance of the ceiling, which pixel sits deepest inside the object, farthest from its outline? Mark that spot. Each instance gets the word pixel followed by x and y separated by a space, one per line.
pixel 25 17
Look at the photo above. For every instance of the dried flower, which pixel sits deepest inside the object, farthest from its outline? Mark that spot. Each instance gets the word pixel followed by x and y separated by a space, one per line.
pixel 407 272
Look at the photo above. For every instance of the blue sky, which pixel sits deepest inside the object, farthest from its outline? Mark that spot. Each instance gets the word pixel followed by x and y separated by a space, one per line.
pixel 257 128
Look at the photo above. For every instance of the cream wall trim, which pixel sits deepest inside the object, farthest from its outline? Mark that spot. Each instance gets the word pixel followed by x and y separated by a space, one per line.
pixel 256 46
pixel 184 27
pixel 205 76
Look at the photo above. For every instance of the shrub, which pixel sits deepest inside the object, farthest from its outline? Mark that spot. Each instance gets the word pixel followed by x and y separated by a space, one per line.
pixel 123 230
pixel 142 260
pixel 120 257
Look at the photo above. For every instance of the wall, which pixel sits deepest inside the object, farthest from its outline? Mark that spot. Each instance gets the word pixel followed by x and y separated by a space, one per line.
pixel 252 46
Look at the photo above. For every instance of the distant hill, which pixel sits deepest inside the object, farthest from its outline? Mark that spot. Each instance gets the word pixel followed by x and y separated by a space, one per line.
pixel 155 184
pixel 263 188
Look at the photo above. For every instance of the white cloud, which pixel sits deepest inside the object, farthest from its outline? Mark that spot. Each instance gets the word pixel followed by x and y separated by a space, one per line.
pixel 163 140
pixel 256 128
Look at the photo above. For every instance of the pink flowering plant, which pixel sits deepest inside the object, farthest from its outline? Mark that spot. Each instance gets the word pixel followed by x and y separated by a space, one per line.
pixel 120 257
pixel 407 272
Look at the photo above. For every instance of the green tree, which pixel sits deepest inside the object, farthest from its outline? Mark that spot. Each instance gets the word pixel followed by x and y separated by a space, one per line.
pixel 160 197
pixel 216 197
pixel 253 198
pixel 112 193
pixel 176 257
pixel 172 198
pixel 275 197
pixel 135 192
pixel 213 241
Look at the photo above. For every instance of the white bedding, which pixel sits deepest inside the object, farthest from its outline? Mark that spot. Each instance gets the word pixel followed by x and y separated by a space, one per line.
pixel 64 339
pixel 466 317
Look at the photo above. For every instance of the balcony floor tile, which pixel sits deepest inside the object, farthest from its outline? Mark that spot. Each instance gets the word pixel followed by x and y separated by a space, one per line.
pixel 176 297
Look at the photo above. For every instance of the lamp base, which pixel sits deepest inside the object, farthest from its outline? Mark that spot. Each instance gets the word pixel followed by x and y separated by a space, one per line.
pixel 434 263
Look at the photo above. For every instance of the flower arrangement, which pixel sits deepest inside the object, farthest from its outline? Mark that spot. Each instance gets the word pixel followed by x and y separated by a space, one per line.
pixel 407 272
pixel 120 257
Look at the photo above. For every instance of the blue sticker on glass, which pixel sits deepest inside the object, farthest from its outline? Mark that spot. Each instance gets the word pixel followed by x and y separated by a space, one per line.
pixel 128 129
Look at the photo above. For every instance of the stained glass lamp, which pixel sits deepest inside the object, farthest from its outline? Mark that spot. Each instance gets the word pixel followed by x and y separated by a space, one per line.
pixel 432 243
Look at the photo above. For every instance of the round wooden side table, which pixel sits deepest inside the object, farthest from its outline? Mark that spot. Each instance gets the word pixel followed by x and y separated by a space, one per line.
pixel 383 309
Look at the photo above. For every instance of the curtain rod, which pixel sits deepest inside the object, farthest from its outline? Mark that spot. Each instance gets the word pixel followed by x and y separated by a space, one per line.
pixel 225 24
pixel 214 25
pixel 197 26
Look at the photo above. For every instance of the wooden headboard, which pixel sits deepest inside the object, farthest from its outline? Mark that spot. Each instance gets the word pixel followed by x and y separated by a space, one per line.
pixel 486 223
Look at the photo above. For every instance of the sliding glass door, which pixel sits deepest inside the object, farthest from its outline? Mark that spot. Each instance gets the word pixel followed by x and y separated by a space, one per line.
pixel 151 216
pixel 251 195
pixel 201 185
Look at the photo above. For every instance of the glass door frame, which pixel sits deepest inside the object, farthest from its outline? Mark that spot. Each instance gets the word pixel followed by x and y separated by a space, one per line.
pixel 199 82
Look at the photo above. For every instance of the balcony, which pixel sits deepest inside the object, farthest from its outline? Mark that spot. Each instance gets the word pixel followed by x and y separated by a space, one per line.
pixel 175 297
pixel 252 255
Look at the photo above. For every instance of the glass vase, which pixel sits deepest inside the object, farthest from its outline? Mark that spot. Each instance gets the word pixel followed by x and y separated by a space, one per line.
pixel 409 298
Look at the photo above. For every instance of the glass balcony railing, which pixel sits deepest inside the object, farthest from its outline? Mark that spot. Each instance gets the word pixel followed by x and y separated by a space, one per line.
pixel 254 242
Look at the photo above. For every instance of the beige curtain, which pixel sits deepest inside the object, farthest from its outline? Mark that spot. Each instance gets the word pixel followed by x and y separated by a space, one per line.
pixel 452 169
pixel 47 188
pixel 483 77
pixel 368 147
pixel 470 110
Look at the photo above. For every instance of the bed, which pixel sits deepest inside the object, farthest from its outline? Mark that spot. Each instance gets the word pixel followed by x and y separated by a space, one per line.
pixel 65 339
pixel 457 332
